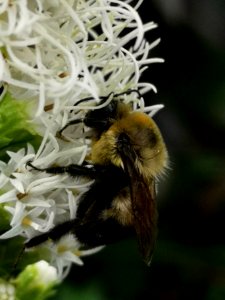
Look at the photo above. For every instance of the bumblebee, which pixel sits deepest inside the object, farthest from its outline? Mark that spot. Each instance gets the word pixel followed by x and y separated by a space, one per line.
pixel 128 155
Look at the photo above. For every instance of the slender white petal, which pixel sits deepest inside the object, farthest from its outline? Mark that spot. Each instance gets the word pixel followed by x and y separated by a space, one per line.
pixel 14 231
pixel 8 196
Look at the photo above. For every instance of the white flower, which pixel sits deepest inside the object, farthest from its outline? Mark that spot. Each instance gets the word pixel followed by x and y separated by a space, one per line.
pixel 36 200
pixel 62 51
pixel 46 273
pixel 53 54
pixel 65 252
pixel 7 291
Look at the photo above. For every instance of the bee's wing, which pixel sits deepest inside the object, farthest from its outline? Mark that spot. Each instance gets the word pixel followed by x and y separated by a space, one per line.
pixel 144 209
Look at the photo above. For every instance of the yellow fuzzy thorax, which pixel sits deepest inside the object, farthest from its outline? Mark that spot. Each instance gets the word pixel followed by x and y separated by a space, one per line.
pixel 144 139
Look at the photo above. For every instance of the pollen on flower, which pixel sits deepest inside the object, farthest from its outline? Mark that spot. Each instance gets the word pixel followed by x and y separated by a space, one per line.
pixel 77 252
pixel 26 221
pixel 48 107
pixel 62 248
pixel 20 196
pixel 63 74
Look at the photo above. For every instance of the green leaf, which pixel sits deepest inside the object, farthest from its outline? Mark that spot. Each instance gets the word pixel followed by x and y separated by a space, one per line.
pixel 4 217
pixel 9 252
pixel 15 129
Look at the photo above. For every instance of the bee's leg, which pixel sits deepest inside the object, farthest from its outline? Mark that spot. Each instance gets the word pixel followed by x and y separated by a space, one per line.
pixel 54 234
pixel 73 170
pixel 93 233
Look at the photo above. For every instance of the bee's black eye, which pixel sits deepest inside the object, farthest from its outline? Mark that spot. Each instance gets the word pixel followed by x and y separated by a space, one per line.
pixel 101 118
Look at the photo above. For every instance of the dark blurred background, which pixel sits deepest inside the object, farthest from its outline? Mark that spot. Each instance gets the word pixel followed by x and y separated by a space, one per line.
pixel 189 262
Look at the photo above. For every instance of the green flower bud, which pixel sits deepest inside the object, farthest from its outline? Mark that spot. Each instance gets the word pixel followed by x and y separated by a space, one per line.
pixel 36 282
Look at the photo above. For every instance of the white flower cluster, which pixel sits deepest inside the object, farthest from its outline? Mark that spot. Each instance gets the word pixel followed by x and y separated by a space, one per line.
pixel 53 54
pixel 7 291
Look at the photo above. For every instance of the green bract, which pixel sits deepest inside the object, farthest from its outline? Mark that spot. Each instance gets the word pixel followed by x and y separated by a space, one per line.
pixel 15 129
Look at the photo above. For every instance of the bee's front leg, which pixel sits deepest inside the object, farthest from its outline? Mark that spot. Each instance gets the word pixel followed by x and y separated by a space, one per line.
pixel 73 170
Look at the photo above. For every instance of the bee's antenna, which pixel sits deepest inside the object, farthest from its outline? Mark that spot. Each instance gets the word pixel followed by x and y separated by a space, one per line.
pixel 76 121
pixel 128 92
pixel 103 98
